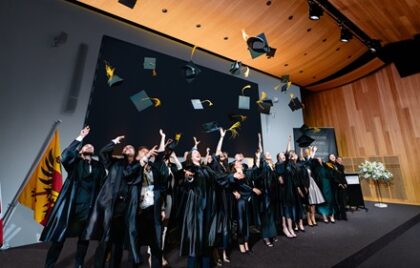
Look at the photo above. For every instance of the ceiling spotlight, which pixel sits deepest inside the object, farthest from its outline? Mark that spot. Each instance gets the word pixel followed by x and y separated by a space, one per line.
pixel 345 35
pixel 315 11
pixel 374 45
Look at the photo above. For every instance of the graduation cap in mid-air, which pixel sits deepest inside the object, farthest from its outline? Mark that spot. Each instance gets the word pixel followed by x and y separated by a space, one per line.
pixel 113 78
pixel 295 103
pixel 210 126
pixel 258 45
pixel 304 141
pixel 142 101
pixel 264 106
pixel 191 71
pixel 149 63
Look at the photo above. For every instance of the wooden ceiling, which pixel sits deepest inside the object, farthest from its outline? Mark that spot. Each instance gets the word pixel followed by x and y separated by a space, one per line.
pixel 385 20
pixel 307 50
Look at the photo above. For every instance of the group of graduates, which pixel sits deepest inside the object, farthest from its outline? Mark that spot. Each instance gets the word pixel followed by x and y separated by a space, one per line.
pixel 129 201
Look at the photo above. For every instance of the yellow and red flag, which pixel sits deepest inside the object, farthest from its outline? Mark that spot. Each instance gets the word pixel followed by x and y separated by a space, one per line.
pixel 44 185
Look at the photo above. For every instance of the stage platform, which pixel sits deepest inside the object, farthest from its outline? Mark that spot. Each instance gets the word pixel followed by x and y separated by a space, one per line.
pixel 378 237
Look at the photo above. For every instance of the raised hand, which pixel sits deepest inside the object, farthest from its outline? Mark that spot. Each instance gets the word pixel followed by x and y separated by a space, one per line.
pixel 118 139
pixel 222 132
pixel 208 150
pixel 196 142
pixel 152 152
pixel 161 133
pixel 85 131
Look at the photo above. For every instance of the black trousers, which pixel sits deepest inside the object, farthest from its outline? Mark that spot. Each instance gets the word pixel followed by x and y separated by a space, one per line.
pixel 115 245
pixel 55 250
pixel 341 200
pixel 150 231
pixel 242 206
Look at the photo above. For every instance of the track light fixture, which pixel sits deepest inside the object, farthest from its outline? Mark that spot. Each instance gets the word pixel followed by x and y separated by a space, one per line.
pixel 345 34
pixel 315 11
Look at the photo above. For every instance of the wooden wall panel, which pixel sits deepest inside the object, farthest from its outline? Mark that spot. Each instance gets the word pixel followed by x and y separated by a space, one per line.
pixel 376 116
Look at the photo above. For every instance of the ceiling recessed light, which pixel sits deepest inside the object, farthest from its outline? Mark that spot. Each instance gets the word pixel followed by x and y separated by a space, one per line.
pixel 301 71
pixel 198 25
pixel 286 65
pixel 164 10
pixel 337 49
pixel 268 3
pixel 325 39
pixel 226 38
pixel 309 29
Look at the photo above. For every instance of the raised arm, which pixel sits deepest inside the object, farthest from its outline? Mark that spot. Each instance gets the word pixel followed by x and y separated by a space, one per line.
pixel 220 143
pixel 289 141
pixel 260 147
pixel 105 154
pixel 70 154
pixel 196 143
pixel 162 141
pixel 206 159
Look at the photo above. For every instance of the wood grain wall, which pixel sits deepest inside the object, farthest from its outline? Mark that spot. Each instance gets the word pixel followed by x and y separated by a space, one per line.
pixel 376 116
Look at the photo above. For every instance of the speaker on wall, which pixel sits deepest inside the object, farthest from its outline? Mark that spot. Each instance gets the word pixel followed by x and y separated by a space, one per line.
pixel 76 81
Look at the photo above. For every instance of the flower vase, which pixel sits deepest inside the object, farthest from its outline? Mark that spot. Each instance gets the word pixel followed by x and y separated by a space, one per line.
pixel 380 204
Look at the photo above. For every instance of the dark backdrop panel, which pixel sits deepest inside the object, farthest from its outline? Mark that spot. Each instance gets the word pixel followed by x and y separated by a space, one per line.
pixel 324 140
pixel 111 112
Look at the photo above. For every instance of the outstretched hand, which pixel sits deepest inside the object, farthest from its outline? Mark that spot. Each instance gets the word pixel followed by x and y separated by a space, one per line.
pixel 152 152
pixel 118 139
pixel 161 133
pixel 222 132
pixel 85 131
pixel 196 142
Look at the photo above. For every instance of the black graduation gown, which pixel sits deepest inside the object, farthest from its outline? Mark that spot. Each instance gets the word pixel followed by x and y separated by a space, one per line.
pixel 160 185
pixel 120 173
pixel 199 219
pixel 62 214
pixel 292 205
pixel 224 204
pixel 266 182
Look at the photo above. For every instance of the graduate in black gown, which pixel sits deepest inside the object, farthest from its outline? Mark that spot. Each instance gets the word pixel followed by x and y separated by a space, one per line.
pixel 219 164
pixel 266 182
pixel 114 217
pixel 74 203
pixel 199 219
pixel 339 186
pixel 293 194
pixel 243 189
pixel 153 176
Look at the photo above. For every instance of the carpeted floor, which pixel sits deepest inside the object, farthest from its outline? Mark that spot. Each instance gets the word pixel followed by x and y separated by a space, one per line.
pixel 387 237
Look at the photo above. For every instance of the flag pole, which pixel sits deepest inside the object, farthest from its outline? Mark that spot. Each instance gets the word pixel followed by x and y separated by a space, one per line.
pixel 12 205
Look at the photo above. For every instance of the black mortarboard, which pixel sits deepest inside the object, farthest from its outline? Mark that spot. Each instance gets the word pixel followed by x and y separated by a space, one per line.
pixel 304 141
pixel 295 104
pixel 286 86
pixel 235 68
pixel 128 3
pixel 190 71
pixel 141 101
pixel 210 126
pixel 258 45
pixel 284 78
pixel 264 106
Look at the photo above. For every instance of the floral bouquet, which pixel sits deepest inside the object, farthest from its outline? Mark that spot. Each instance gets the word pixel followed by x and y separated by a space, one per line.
pixel 375 171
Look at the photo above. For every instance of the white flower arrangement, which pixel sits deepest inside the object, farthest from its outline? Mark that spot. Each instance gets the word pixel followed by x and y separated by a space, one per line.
pixel 375 171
